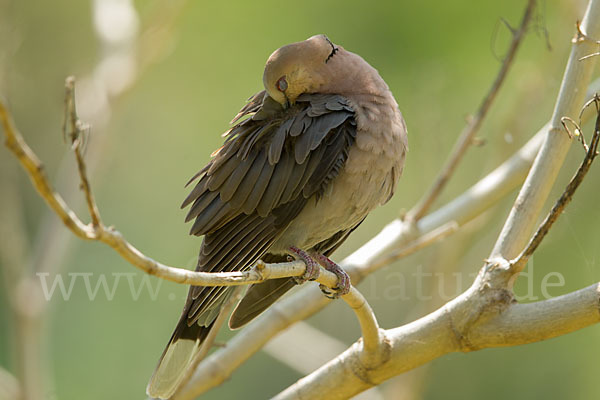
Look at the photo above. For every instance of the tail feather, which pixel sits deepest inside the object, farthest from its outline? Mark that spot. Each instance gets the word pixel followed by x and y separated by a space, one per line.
pixel 176 359
pixel 185 343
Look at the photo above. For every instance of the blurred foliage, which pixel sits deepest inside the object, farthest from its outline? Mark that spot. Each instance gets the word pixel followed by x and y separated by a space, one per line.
pixel 439 58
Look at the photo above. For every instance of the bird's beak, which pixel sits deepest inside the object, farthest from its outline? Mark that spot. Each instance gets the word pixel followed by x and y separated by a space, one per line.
pixel 287 103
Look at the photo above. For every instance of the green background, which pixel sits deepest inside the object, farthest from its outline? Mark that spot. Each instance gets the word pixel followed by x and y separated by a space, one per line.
pixel 439 59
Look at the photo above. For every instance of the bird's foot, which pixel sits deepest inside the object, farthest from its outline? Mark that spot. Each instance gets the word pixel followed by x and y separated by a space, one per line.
pixel 343 285
pixel 312 267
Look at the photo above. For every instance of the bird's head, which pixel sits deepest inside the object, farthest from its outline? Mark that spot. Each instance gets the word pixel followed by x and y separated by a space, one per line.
pixel 302 67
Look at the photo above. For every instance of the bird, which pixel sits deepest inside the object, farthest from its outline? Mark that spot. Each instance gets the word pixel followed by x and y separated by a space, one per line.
pixel 304 162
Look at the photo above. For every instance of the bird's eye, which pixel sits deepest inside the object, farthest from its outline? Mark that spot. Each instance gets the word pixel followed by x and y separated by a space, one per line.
pixel 282 84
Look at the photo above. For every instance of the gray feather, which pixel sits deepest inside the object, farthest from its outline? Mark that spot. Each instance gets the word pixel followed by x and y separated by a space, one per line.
pixel 259 189
pixel 220 175
pixel 276 186
pixel 278 140
pixel 293 181
pixel 249 182
pixel 211 218
pixel 299 124
pixel 233 181
pixel 198 190
pixel 200 205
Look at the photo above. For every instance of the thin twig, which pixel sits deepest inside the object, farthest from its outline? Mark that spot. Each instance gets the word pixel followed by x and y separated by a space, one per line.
pixel 523 217
pixel 414 246
pixel 591 152
pixel 472 127
pixel 15 143
pixel 73 130
pixel 52 242
pixel 583 36
pixel 589 56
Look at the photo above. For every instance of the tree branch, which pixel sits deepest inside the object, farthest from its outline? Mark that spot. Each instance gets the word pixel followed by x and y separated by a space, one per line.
pixel 124 57
pixel 15 143
pixel 443 332
pixel 468 134
pixel 522 218
pixel 74 129
pixel 591 152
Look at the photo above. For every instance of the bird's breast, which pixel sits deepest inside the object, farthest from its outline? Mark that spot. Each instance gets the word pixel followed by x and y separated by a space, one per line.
pixel 367 180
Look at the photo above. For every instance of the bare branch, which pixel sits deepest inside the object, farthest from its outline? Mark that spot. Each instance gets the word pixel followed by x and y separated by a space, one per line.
pixel 530 201
pixel 74 129
pixel 304 348
pixel 534 322
pixel 447 330
pixel 425 240
pixel 15 143
pixel 375 348
pixel 591 152
pixel 469 132
pixel 119 67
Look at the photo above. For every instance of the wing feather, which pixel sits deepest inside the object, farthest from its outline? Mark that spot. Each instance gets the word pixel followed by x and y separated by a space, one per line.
pixel 236 177
pixel 259 189
pixel 249 182
pixel 276 185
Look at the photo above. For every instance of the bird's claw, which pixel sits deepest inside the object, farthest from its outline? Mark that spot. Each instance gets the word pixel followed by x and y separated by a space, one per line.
pixel 312 267
pixel 344 284
pixel 312 272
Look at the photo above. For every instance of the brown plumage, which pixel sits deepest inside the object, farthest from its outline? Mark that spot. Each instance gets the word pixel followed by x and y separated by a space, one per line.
pixel 304 163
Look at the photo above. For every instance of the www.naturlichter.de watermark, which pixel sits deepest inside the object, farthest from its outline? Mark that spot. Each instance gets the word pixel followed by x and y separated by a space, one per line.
pixel 394 286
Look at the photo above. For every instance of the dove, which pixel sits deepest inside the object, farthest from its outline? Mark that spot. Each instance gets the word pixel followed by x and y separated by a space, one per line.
pixel 306 159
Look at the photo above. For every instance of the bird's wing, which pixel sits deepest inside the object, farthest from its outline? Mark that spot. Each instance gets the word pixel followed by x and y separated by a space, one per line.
pixel 272 162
